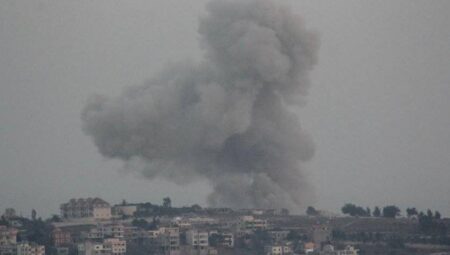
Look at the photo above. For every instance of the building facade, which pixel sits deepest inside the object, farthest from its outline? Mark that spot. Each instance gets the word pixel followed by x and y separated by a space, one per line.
pixel 84 208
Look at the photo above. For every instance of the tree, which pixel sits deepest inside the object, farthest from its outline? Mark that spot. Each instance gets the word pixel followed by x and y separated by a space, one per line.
pixel 311 211
pixel 196 208
pixel 376 212
pixel 391 211
pixel 353 210
pixel 429 213
pixel 437 215
pixel 55 218
pixel 167 202
pixel 368 212
pixel 411 212
pixel 33 215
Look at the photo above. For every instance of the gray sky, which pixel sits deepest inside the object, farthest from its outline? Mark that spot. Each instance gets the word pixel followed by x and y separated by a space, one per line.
pixel 378 109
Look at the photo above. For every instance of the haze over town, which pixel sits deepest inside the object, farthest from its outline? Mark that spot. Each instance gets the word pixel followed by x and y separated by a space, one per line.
pixel 377 108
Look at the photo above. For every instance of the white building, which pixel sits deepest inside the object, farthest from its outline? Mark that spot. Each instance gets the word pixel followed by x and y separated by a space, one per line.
pixel 107 230
pixel 349 250
pixel 8 236
pixel 115 245
pixel 110 246
pixel 278 250
pixel 102 213
pixel 30 249
pixel 169 239
pixel 84 208
pixel 124 210
pixel 197 239
pixel 250 222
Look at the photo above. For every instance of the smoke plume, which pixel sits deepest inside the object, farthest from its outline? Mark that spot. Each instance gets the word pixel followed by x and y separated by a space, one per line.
pixel 226 119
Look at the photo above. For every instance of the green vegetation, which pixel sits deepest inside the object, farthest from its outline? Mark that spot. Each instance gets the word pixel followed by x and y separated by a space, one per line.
pixel 311 211
pixel 391 211
pixel 354 210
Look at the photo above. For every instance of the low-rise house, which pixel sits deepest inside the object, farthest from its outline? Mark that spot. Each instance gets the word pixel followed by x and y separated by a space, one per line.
pixel 278 235
pixel 330 250
pixel 349 250
pixel 309 248
pixel 278 250
pixel 62 250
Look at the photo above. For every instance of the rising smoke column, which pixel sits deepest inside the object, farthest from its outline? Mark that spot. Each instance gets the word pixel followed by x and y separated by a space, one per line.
pixel 226 119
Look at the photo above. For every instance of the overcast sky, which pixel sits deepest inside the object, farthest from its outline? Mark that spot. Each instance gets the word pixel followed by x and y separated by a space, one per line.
pixel 378 108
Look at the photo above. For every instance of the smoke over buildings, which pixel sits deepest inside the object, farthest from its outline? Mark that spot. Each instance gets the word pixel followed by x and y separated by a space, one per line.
pixel 226 119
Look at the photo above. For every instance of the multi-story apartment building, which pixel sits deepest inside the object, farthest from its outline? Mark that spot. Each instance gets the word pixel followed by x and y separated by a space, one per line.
pixel 86 208
pixel 30 249
pixel 169 240
pixel 109 246
pixel 8 236
pixel 223 239
pixel 197 239
pixel 250 222
pixel 227 240
pixel 115 245
pixel 61 237
pixel 107 230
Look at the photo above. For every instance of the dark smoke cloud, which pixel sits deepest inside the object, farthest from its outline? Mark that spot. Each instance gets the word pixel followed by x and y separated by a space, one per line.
pixel 227 119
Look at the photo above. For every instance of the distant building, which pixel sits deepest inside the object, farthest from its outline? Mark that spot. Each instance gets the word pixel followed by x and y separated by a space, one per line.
pixel 86 208
pixel 61 237
pixel 169 240
pixel 115 245
pixel 62 250
pixel 197 239
pixel 124 210
pixel 110 246
pixel 8 236
pixel 309 248
pixel 102 231
pixel 321 235
pixel 30 249
pixel 278 235
pixel 278 250
pixel 8 250
pixel 330 250
pixel 222 239
pixel 250 222
pixel 349 250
